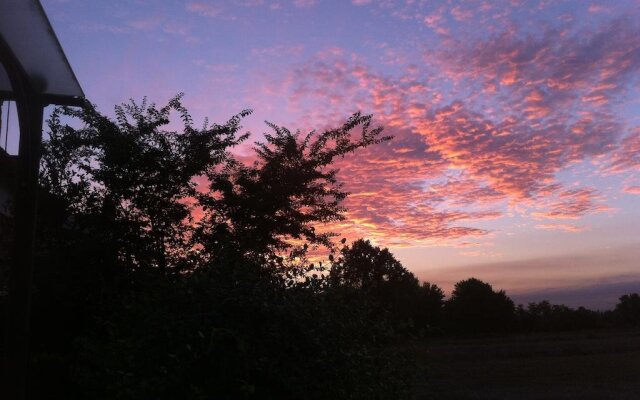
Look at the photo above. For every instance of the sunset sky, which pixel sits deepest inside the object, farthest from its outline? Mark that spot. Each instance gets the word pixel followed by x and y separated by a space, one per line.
pixel 516 156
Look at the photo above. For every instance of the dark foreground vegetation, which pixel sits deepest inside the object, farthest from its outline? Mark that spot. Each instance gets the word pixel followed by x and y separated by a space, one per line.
pixel 167 268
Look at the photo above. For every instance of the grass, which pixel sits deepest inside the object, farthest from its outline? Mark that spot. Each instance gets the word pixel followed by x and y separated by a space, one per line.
pixel 599 365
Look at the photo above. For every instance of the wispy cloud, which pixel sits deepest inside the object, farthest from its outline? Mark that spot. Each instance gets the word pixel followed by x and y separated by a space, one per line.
pixel 573 204
pixel 627 157
pixel 304 3
pixel 632 189
pixel 205 9
pixel 561 227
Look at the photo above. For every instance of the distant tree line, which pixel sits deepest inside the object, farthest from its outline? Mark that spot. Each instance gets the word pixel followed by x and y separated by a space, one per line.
pixel 168 268
pixel 474 307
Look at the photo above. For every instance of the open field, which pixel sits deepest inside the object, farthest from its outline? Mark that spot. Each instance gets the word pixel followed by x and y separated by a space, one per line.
pixel 584 365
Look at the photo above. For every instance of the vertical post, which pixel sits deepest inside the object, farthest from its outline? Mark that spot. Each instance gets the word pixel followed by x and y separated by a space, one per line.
pixel 30 113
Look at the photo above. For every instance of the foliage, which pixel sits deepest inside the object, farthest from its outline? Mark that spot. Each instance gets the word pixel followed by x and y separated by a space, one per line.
pixel 474 307
pixel 138 182
pixel 627 311
pixel 169 268
pixel 132 180
pixel 429 307
pixel 137 299
pixel 544 316
pixel 376 275
pixel 283 196
pixel 370 269
pixel 242 335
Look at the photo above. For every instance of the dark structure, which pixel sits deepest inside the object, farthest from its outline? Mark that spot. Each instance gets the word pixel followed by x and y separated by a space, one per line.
pixel 8 166
pixel 7 187
pixel 34 73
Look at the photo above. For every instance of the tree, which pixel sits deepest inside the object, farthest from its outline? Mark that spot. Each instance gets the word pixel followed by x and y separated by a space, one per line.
pixel 627 311
pixel 474 307
pixel 369 268
pixel 114 210
pixel 138 181
pixel 136 298
pixel 260 210
pixel 132 180
pixel 429 307
pixel 376 273
pixel 544 316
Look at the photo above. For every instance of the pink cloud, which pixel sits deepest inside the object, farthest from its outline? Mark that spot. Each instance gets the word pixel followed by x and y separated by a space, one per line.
pixel 627 157
pixel 554 66
pixel 463 192
pixel 304 3
pixel 573 204
pixel 513 159
pixel 561 227
pixel 499 161
pixel 461 13
pixel 205 9
pixel 598 8
pixel 511 112
pixel 632 189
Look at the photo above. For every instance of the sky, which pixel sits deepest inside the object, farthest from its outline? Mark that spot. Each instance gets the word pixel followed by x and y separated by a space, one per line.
pixel 516 150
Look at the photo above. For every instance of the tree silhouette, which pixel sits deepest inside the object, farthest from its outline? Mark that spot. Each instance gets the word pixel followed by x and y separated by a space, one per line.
pixel 138 298
pixel 169 268
pixel 368 267
pixel 376 273
pixel 429 306
pixel 260 209
pixel 131 179
pixel 474 307
pixel 544 316
pixel 627 311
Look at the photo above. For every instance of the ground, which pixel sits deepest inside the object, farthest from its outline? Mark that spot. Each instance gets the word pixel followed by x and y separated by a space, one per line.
pixel 601 365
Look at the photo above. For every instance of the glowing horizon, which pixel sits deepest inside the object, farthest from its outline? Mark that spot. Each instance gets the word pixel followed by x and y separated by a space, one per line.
pixel 516 123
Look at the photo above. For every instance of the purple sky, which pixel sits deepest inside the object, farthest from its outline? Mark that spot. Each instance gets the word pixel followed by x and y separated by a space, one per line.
pixel 517 123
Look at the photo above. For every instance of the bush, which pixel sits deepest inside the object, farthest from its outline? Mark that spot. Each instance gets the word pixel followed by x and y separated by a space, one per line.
pixel 224 334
